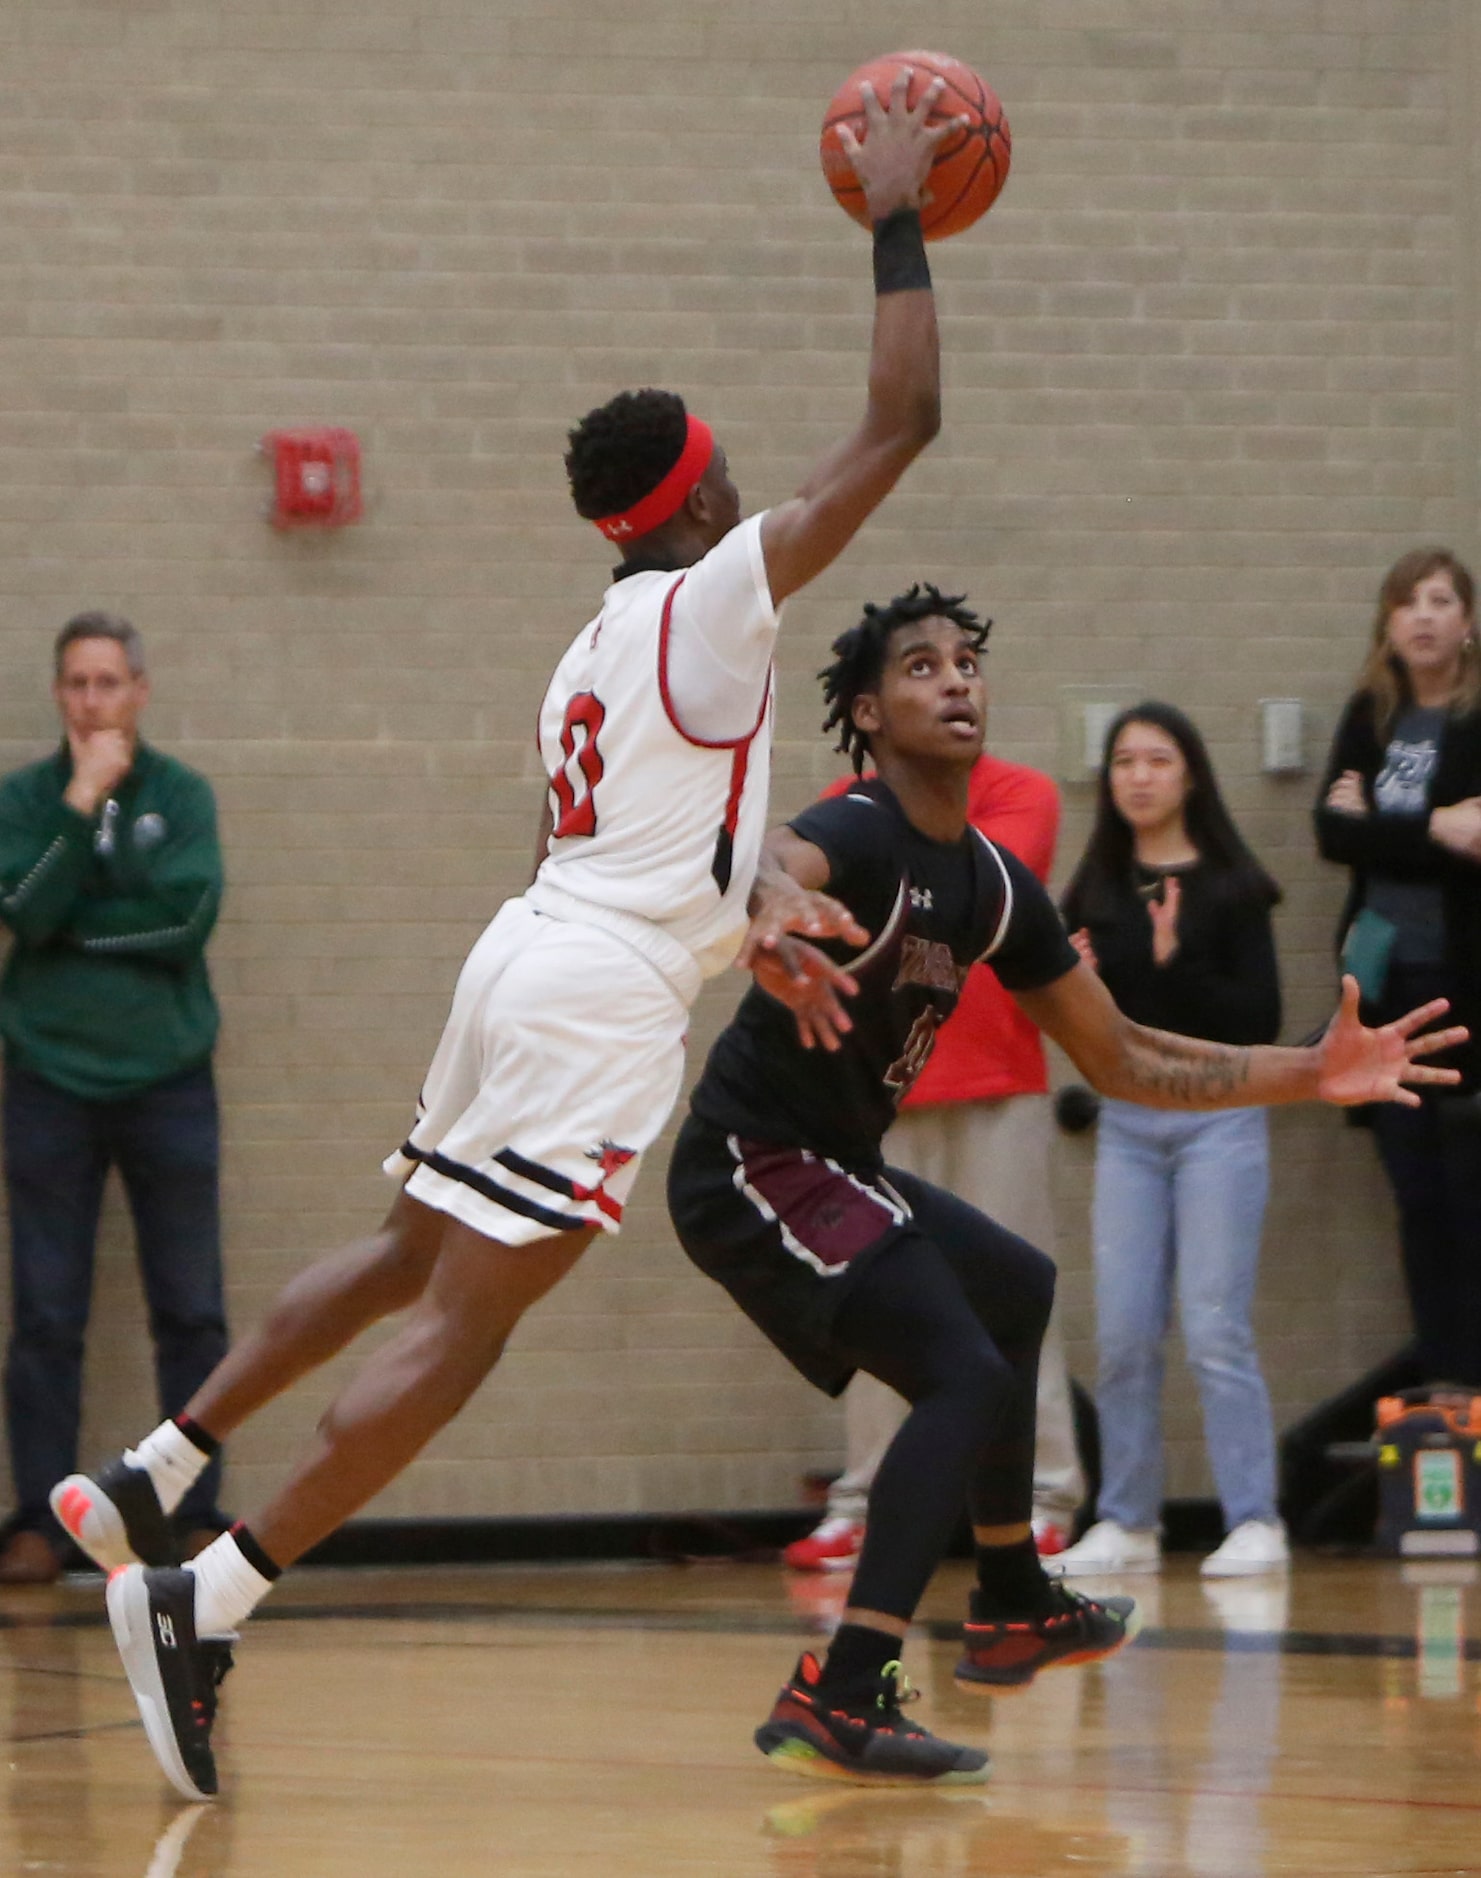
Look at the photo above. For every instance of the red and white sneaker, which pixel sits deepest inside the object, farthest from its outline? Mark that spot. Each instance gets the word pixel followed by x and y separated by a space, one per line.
pixel 1050 1536
pixel 832 1547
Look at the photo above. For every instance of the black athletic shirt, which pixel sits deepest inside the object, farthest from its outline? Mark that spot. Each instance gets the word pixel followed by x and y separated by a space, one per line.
pixel 931 908
pixel 1222 983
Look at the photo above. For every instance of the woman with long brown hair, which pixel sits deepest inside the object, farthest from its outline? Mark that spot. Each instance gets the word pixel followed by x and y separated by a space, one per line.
pixel 1400 805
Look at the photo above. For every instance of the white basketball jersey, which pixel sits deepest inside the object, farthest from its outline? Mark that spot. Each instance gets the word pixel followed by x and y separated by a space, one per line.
pixel 653 818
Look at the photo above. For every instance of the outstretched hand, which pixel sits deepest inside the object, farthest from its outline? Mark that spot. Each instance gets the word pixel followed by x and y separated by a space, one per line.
pixel 797 974
pixel 813 989
pixel 782 905
pixel 1358 1064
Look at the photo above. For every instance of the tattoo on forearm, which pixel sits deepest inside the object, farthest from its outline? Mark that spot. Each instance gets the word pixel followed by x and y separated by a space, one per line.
pixel 1186 1070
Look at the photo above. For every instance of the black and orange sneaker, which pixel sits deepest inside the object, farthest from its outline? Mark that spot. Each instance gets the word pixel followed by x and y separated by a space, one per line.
pixel 1003 1656
pixel 860 1734
pixel 174 1673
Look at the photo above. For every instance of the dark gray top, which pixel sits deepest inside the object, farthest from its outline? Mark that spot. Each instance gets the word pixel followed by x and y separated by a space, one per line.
pixel 1402 787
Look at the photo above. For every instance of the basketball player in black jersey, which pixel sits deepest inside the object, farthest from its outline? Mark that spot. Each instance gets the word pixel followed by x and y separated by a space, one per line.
pixel 778 1191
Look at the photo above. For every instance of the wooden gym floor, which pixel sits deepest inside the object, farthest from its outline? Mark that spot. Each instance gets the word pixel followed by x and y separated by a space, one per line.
pixel 536 1723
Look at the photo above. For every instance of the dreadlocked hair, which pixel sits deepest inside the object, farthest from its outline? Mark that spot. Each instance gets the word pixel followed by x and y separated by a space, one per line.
pixel 622 451
pixel 859 655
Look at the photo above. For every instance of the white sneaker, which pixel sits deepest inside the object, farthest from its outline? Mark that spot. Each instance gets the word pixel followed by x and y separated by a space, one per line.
pixel 1255 1545
pixel 1107 1548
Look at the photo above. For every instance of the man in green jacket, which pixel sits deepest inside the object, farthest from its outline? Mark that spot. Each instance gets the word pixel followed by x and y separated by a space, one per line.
pixel 110 882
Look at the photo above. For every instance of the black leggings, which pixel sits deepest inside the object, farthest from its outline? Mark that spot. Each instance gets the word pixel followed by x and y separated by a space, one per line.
pixel 951 1316
pixel 1432 1156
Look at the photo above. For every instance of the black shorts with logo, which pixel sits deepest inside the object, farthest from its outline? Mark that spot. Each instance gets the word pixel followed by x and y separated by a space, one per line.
pixel 788 1234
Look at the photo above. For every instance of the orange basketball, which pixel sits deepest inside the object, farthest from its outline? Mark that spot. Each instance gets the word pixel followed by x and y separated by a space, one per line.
pixel 971 164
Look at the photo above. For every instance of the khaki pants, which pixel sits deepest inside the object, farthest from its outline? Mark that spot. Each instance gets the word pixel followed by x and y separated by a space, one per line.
pixel 995 1156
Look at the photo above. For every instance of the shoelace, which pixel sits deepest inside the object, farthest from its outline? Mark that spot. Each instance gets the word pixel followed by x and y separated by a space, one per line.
pixel 896 1691
pixel 1074 1605
pixel 216 1660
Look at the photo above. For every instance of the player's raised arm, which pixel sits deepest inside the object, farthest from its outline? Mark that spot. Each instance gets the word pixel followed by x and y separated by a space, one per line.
pixel 801 537
pixel 1351 1064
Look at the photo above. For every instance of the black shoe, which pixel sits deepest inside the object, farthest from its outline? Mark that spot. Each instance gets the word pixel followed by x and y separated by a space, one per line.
pixel 174 1674
pixel 116 1517
pixel 860 1734
pixel 1002 1656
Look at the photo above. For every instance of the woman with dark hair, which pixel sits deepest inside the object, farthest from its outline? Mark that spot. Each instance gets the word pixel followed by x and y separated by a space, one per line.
pixel 1173 911
pixel 1400 805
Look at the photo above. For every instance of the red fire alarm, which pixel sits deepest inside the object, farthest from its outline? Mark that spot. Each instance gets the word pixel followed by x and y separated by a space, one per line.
pixel 316 477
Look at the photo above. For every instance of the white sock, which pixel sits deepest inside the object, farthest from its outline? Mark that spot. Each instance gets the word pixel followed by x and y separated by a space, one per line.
pixel 227 1588
pixel 172 1461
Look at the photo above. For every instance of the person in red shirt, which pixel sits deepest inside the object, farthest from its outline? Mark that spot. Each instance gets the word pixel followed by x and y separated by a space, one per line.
pixel 978 1123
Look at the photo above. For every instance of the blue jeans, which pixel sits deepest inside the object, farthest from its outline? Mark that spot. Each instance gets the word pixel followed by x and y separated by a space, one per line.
pixel 58 1149
pixel 1180 1199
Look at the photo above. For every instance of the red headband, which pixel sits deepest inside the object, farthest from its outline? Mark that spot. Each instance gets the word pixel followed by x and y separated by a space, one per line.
pixel 660 504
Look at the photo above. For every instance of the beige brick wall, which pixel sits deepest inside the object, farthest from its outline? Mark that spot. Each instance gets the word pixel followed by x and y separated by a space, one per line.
pixel 1210 364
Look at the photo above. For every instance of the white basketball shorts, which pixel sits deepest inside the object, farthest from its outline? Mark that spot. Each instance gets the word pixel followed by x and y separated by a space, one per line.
pixel 559 1064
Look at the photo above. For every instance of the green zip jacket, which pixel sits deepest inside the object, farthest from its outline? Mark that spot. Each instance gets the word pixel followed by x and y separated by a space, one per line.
pixel 105 992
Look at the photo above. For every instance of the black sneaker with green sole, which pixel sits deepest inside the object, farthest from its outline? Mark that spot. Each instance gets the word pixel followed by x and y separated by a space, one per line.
pixel 860 1734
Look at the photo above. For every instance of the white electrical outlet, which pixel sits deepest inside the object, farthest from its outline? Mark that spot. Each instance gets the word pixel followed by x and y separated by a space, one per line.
pixel 1282 736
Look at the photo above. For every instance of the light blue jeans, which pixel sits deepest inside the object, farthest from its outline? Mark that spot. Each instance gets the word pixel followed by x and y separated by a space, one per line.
pixel 1180 1200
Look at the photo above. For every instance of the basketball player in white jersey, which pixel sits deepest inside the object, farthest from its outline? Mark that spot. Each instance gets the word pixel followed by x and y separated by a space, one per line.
pixel 564 1048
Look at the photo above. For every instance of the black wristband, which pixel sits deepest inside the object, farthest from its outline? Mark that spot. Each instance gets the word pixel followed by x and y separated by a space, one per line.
pixel 900 264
